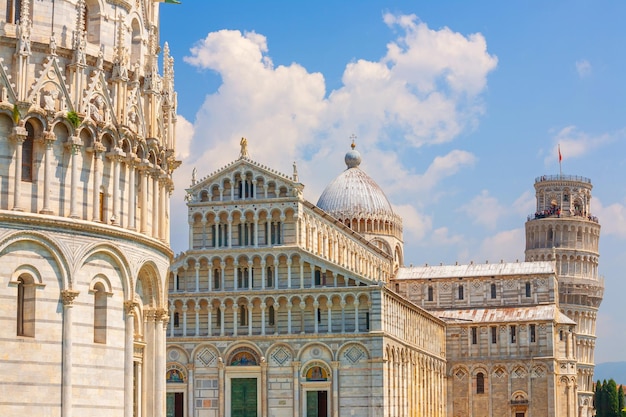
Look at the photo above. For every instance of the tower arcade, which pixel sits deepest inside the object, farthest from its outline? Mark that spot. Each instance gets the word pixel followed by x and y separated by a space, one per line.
pixel 564 230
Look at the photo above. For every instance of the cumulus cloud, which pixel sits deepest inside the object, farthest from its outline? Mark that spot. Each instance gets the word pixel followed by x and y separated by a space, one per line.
pixel 506 246
pixel 612 217
pixel 415 225
pixel 425 90
pixel 575 143
pixel 484 209
pixel 583 68
pixel 442 237
pixel 184 135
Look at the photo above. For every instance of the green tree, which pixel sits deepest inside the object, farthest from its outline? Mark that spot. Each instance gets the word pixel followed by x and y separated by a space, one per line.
pixel 620 399
pixel 599 401
pixel 612 400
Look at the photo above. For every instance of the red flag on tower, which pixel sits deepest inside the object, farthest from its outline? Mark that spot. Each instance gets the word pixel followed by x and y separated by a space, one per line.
pixel 560 156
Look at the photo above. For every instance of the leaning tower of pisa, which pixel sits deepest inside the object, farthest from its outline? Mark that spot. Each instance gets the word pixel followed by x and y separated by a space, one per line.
pixel 563 229
pixel 87 151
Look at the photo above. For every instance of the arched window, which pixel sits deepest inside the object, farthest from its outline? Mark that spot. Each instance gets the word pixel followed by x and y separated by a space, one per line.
pixel 243 315
pixel 136 41
pixel 242 279
pixel 217 279
pixel 269 277
pixel 13 11
pixel 461 292
pixel 218 317
pixel 25 306
pixel 494 292
pixel 430 293
pixel 99 314
pixel 271 316
pixel 27 154
pixel 318 278
pixel 528 289
pixel 176 319
pixel 480 383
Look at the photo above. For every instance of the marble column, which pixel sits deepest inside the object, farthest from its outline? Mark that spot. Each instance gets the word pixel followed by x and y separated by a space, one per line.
pixel 289 273
pixel 190 391
pixel 132 195
pixel 98 151
pixel 67 297
pixel 159 350
pixel 264 387
pixel 335 401
pixel 19 135
pixel 330 316
pixel 222 314
pixel 129 339
pixel 48 141
pixel 74 144
pixel 155 202
pixel 143 180
pixel 296 388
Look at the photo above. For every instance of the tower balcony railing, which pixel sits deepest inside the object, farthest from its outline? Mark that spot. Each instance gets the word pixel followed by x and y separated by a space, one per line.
pixel 562 178
pixel 554 214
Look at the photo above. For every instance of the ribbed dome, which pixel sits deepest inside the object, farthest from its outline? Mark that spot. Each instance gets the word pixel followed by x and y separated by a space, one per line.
pixel 354 195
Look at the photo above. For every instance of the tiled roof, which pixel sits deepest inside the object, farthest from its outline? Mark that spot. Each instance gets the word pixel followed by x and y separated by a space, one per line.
pixel 475 270
pixel 548 312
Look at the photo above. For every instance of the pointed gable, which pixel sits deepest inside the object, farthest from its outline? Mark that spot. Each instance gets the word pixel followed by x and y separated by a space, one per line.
pixel 244 179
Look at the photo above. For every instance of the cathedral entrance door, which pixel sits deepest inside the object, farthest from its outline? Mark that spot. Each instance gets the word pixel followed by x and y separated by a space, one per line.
pixel 243 397
pixel 317 404
pixel 175 404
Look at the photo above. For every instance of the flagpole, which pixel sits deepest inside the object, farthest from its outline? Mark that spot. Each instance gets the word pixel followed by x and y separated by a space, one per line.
pixel 560 159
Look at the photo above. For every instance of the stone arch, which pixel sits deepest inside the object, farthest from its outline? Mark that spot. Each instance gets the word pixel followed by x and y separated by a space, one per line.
pixel 48 245
pixel 316 370
pixel 243 354
pixel 323 352
pixel 119 260
pixel 147 286
pixel 281 354
pixel 348 350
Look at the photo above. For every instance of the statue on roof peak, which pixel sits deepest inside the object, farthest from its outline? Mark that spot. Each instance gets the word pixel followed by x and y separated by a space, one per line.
pixel 244 148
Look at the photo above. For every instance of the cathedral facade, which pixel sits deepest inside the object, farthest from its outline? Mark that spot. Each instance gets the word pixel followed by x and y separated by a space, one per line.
pixel 281 307
pixel 87 145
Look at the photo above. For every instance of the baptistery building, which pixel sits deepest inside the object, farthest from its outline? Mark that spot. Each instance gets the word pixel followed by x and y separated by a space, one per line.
pixel 87 114
pixel 281 307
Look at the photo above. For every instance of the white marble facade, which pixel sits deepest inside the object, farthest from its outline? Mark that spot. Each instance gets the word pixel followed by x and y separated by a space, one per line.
pixel 86 144
pixel 276 293
pixel 273 288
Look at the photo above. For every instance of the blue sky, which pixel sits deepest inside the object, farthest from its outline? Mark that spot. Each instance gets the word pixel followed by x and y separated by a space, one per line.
pixel 457 107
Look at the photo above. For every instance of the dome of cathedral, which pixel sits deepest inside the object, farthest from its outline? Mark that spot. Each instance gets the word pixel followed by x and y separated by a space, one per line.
pixel 354 194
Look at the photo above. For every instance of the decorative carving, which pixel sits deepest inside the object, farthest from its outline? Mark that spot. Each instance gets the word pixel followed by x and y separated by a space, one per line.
pixel 68 296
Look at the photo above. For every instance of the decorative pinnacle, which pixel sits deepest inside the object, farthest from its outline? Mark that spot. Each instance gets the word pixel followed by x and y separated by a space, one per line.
pixel 353 137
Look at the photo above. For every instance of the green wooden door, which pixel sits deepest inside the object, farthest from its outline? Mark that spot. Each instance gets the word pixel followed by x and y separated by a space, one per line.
pixel 175 405
pixel 317 404
pixel 243 397
pixel 311 404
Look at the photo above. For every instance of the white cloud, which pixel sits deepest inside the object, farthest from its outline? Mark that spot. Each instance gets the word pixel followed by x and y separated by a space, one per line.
pixel 442 237
pixel 612 218
pixel 425 90
pixel 575 143
pixel 415 225
pixel 484 210
pixel 506 246
pixel 184 135
pixel 525 204
pixel 583 68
